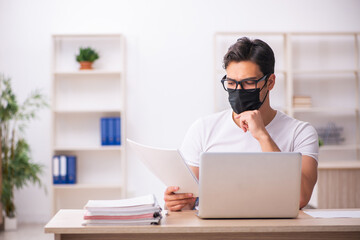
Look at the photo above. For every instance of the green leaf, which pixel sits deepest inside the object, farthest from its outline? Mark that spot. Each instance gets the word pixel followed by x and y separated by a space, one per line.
pixel 87 54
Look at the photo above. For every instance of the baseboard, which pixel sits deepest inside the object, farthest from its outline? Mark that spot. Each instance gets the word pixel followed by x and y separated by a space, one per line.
pixel 33 218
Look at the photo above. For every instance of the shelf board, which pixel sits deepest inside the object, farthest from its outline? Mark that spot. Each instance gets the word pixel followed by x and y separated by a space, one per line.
pixel 85 186
pixel 87 35
pixel 89 148
pixel 355 164
pixel 339 147
pixel 279 71
pixel 87 72
pixel 321 109
pixel 324 71
pixel 82 111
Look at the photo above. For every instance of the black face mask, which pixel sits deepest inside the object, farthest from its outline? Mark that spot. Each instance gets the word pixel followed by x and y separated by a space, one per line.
pixel 242 100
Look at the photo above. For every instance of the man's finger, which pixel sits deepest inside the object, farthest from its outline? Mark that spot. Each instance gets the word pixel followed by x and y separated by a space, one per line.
pixel 177 207
pixel 178 196
pixel 171 189
pixel 179 202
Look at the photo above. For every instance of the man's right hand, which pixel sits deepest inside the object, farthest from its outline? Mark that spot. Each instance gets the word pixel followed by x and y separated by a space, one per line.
pixel 178 201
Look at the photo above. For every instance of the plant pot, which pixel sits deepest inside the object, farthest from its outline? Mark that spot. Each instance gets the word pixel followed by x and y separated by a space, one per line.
pixel 85 65
pixel 10 224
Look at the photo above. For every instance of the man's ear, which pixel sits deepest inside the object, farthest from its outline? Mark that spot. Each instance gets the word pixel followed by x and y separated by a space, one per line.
pixel 271 81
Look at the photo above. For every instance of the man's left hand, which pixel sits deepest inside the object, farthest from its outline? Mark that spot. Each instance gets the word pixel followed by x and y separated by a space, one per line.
pixel 253 122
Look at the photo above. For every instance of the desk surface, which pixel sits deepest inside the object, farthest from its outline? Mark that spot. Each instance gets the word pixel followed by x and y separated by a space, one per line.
pixel 69 222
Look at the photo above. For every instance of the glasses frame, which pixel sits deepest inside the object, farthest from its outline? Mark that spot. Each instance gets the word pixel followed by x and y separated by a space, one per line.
pixel 265 77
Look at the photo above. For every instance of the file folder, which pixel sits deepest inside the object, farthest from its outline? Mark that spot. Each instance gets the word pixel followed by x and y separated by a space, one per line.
pixel 63 168
pixel 71 169
pixel 117 131
pixel 56 169
pixel 104 131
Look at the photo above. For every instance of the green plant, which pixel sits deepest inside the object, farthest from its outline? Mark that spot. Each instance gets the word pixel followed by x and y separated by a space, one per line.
pixel 16 168
pixel 87 55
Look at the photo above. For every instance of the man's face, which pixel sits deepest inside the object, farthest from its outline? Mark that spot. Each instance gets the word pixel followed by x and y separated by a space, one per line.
pixel 245 70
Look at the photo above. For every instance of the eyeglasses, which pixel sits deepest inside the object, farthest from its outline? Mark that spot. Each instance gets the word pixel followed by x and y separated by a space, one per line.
pixel 231 85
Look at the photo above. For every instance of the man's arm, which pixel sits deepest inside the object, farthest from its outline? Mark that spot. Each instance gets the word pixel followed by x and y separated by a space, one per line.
pixel 195 170
pixel 308 179
pixel 252 121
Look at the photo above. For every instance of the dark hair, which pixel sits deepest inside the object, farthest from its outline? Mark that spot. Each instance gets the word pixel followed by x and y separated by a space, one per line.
pixel 255 50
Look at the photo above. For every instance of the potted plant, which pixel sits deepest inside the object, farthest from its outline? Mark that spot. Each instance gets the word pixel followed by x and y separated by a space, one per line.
pixel 86 57
pixel 16 168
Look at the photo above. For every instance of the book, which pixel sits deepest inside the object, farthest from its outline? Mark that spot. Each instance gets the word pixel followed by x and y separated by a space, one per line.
pixel 142 210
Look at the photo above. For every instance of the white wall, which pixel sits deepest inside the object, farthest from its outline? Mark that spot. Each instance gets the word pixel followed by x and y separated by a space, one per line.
pixel 169 62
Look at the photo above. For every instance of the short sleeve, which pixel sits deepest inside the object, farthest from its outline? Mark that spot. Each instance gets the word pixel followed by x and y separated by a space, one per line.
pixel 191 147
pixel 306 141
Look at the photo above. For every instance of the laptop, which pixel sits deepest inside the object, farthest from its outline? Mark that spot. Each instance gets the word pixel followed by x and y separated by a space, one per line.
pixel 249 185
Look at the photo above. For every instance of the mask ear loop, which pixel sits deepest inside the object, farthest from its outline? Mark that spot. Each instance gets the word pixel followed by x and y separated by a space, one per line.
pixel 266 92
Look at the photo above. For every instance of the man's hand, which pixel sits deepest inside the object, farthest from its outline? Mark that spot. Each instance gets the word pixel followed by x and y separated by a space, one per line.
pixel 253 122
pixel 177 201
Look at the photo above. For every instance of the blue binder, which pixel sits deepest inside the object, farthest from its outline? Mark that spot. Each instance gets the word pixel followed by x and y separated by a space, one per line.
pixel 63 169
pixel 111 131
pixel 117 131
pixel 56 169
pixel 104 131
pixel 71 169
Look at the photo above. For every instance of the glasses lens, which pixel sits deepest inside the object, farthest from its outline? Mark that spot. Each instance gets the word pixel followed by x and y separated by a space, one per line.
pixel 248 84
pixel 229 85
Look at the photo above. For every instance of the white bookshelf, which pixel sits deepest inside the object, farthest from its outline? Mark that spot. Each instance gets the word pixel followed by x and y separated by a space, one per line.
pixel 80 99
pixel 322 65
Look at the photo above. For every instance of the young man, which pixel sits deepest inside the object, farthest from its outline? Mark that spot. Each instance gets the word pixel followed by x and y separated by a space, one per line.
pixel 251 125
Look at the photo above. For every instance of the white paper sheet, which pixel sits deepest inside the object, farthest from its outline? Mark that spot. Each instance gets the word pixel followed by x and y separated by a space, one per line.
pixel 168 165
pixel 147 200
pixel 333 214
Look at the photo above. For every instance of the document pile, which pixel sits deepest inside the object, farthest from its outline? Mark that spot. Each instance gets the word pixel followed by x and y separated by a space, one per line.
pixel 133 211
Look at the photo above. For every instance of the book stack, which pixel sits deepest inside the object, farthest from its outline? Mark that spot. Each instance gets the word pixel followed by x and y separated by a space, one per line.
pixel 132 211
pixel 64 169
pixel 302 102
pixel 110 131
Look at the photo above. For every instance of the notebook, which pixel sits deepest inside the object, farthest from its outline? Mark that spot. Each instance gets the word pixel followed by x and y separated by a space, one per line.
pixel 249 185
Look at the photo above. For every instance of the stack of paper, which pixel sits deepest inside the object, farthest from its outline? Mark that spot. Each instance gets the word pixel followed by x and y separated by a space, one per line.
pixel 133 211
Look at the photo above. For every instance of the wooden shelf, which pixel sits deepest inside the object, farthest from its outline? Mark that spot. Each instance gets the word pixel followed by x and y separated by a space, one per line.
pixel 84 111
pixel 321 109
pixel 84 186
pixel 89 148
pixel 86 35
pixel 310 66
pixel 326 71
pixel 81 99
pixel 277 71
pixel 87 72
pixel 339 147
pixel 339 164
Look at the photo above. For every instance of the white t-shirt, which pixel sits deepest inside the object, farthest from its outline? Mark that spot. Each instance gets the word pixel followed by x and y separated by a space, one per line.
pixel 219 133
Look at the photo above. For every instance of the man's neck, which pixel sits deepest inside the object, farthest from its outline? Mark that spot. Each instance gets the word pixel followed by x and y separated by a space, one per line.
pixel 267 114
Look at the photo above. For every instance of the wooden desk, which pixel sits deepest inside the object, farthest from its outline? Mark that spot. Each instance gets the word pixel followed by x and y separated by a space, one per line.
pixel 66 224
